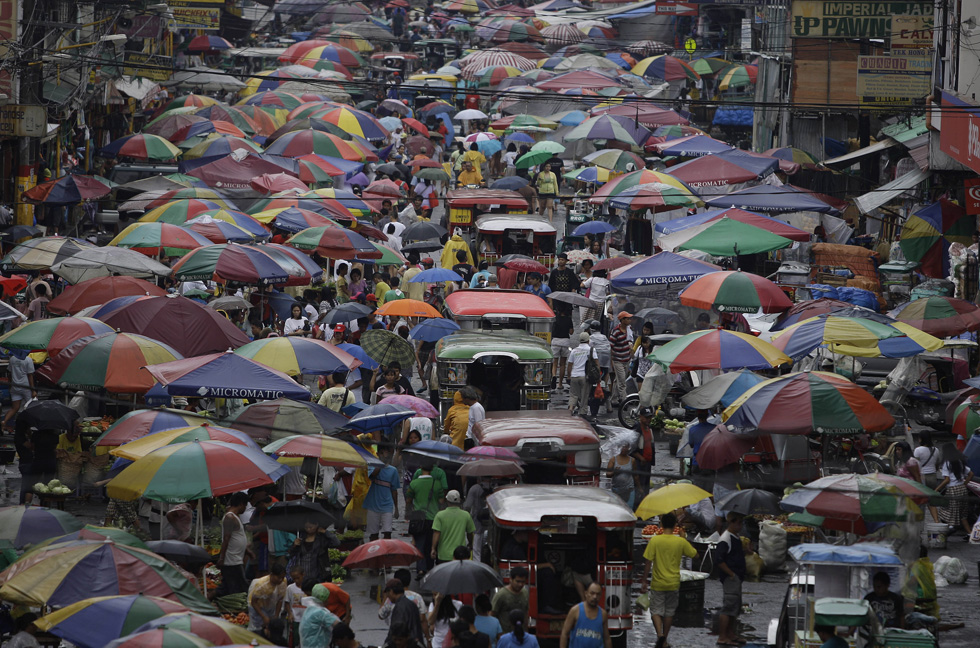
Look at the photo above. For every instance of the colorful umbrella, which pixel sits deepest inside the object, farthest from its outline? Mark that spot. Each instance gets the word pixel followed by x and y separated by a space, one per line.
pixel 94 622
pixel 421 407
pixel 217 631
pixel 609 127
pixel 928 233
pixel 111 361
pixel 226 375
pixel 966 418
pixel 298 355
pixel 141 447
pixel 27 525
pixel 153 239
pixel 179 211
pixel 850 502
pixel 208 43
pixel 665 67
pixel 854 336
pixel 42 253
pixel 304 142
pixel 191 100
pixel 332 52
pixel 721 448
pixel 669 498
pixel 937 315
pixel 191 135
pixel 159 638
pixel 188 471
pixel 734 292
pixel 807 402
pixel 139 423
pixel 215 145
pixel 723 389
pixel 728 237
pixel 273 99
pixel 796 155
pixel 804 310
pixel 655 196
pixel 592 175
pixel 238 264
pixel 328 451
pixel 92 532
pixel 282 417
pixel 738 76
pixel 384 346
pixel 99 291
pixel 219 231
pixel 334 243
pixel 562 34
pixel 69 189
pixel 52 335
pixel 632 179
pixel 356 122
pixel 169 123
pixel 717 349
pixel 615 159
pixel 293 219
pixel 141 146
pixel 708 65
pixel 381 554
pixel 67 573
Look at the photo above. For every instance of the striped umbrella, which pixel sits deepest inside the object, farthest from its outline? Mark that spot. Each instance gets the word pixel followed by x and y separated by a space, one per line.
pixel 492 76
pixel 215 199
pixel 806 402
pixel 326 65
pixel 208 43
pixel 356 122
pixel 665 67
pixel 139 448
pixel 153 239
pixel 738 76
pixel 192 101
pixel 69 189
pixel 966 418
pixel 305 142
pixel 333 52
pixel 28 525
pixel 266 118
pixel 190 134
pixel 141 146
pixel 219 231
pixel 139 423
pixel 294 219
pixel 939 315
pixel 644 176
pixel 562 34
pixel 928 233
pixel 334 243
pixel 216 145
pixel 485 58
pixel 350 40
pixel 52 335
pixel 298 355
pixel 718 349
pixel 235 217
pixel 94 622
pixel 854 336
pixel 273 99
pixel 237 264
pixel 328 451
pixel 179 211
pixel 42 253
pixel 232 114
pixel 734 292
pixel 212 629
pixel 111 361
pixel 708 65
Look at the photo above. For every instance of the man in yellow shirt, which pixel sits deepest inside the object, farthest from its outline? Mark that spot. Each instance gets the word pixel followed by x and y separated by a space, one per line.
pixel 664 552
pixel 381 288
pixel 469 175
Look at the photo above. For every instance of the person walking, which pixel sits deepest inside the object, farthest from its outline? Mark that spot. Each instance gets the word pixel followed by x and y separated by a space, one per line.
pixel 955 476
pixel 452 527
pixel 663 554
pixel 381 501
pixel 234 546
pixel 512 598
pixel 579 384
pixel 423 495
pixel 928 457
pixel 404 614
pixel 730 558
pixel 517 638
pixel 586 624
pixel 621 352
pixel 546 182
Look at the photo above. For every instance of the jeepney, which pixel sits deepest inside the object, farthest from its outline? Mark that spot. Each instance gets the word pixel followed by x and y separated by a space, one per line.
pixel 559 448
pixel 437 50
pixel 501 234
pixel 550 528
pixel 496 310
pixel 511 368
pixel 402 62
pixel 465 205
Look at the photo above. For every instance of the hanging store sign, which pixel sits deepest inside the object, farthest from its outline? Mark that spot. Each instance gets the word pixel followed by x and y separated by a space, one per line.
pixel 959 135
pixel 148 66
pixel 23 121
pixel 196 14
pixel 972 193
pixel 870 19
pixel 890 79
pixel 912 32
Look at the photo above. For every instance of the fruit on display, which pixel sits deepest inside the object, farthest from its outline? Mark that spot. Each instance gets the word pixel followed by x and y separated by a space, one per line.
pixel 53 487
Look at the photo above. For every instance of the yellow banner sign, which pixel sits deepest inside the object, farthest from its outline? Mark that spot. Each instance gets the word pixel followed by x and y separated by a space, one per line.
pixel 870 19
pixel 197 14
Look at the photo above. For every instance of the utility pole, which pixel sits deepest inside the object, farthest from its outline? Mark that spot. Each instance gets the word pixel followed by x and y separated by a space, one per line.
pixel 31 80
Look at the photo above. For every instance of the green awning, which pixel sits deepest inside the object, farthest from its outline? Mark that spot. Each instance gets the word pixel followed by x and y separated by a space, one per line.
pixel 904 130
pixel 727 237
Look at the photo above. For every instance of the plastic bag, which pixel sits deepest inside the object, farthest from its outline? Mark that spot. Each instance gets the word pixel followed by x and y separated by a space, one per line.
pixel 753 567
pixel 951 569
pixel 643 600
pixel 772 545
pixel 975 533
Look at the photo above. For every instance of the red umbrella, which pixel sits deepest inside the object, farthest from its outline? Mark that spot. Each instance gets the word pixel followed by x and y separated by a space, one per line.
pixel 424 163
pixel 416 144
pixel 208 43
pixel 98 291
pixel 612 263
pixel 416 125
pixel 380 554
pixel 12 285
pixel 187 326
pixel 384 189
pixel 721 448
pixel 274 182
pixel 737 292
pixel 227 173
pixel 525 265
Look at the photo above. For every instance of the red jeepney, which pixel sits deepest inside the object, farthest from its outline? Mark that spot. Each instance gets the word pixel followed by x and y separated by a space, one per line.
pixel 464 205
pixel 493 310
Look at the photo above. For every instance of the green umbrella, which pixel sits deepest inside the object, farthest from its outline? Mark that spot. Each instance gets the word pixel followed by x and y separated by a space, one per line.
pixel 385 347
pixel 548 146
pixel 388 256
pixel 432 174
pixel 727 237
pixel 532 158
pixel 97 621
pixel 709 65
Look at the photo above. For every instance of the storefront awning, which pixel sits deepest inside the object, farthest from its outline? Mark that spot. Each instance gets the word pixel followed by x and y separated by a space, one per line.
pixel 854 156
pixel 887 192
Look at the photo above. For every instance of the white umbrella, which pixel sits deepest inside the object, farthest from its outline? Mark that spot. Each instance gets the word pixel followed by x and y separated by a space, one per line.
pixel 205 78
pixel 108 261
pixel 470 113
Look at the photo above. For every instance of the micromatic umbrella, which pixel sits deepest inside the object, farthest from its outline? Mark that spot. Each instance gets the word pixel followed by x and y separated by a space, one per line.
pixel 52 335
pixel 661 269
pixel 188 471
pixel 328 451
pixel 939 315
pixel 42 253
pixel 724 389
pixel 669 498
pixel 728 237
pixel 185 325
pixel 209 628
pixel 717 349
pixel 928 233
pixel 138 423
pixel 806 402
pixel 226 375
pixel 299 355
pixel 26 525
pixel 111 361
pixel 141 447
pixel 721 448
pixel 69 189
pixel 383 416
pixel 283 417
pixel 735 292
pixel 692 146
pixel 66 573
pixel 94 622
pixel 108 261
pixel 381 554
pixel 99 291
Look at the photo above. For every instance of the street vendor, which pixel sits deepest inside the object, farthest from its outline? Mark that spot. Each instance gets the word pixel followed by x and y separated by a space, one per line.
pixel 887 605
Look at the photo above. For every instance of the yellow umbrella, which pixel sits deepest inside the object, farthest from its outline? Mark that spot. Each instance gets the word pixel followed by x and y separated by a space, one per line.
pixel 669 498
pixel 143 446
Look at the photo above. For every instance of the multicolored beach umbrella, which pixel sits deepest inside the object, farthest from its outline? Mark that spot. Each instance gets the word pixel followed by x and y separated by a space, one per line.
pixel 718 349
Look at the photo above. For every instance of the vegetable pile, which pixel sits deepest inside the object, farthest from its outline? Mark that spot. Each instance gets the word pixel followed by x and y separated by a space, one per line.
pixel 53 487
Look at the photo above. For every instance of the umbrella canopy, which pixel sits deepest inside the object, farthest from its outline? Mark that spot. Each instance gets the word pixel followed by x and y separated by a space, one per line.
pixel 111 361
pixel 328 451
pixel 294 219
pixel 937 315
pixel 750 501
pixel 717 349
pixel 69 190
pixel 667 68
pixel 42 253
pixel 409 307
pixel 188 471
pixel 209 628
pixel 226 375
pixel 609 127
pixel 153 239
pixel 461 577
pixel 381 554
pixel 684 228
pixel 804 310
pixel 383 416
pixel 738 76
pixel 294 515
pixel 433 330
pixel 27 525
pixel 772 200
pixel 966 418
pixel 182 323
pixel 299 355
pixel 663 268
pixel 421 407
pixel 669 498
pixel 139 423
pixel 66 573
pixel 141 447
pixel 141 146
pixel 233 263
pixel 655 196
pixel 692 147
pixel 283 417
pixel 806 402
pixel 929 232
pixel 723 389
pixel 108 261
pixel 728 237
pixel 159 638
pixel 735 292
pixel 94 622
pixel 180 551
pixel 99 291
pixel 334 243
pixel 487 467
pixel 48 415
pixel 854 336
pixel 345 313
pixel 52 335
pixel 721 448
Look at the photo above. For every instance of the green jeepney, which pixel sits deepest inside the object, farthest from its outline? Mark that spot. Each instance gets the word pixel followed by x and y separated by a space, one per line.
pixel 511 367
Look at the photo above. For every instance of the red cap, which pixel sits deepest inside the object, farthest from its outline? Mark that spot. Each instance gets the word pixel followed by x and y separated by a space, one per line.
pixel 371 298
pixel 340 328
pixel 427 261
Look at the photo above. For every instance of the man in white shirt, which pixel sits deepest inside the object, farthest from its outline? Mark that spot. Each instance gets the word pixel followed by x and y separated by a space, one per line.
pixel 578 392
pixel 477 413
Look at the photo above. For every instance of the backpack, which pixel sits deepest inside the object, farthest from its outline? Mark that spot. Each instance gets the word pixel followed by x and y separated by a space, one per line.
pixel 592 370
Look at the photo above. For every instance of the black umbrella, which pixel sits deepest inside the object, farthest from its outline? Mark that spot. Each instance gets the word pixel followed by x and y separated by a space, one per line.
pixel 422 246
pixel 423 231
pixel 292 516
pixel 461 577
pixel 18 232
pixel 346 313
pixel 180 551
pixel 751 501
pixel 575 299
pixel 513 183
pixel 389 170
pixel 48 415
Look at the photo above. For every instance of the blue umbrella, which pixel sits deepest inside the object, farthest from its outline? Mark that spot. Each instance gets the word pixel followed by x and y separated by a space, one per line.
pixel 436 450
pixel 383 416
pixel 435 275
pixel 391 123
pixel 512 183
pixel 593 227
pixel 355 350
pixel 226 375
pixel 519 137
pixel 489 146
pixel 433 330
pixel 354 408
pixel 280 302
pixel 573 117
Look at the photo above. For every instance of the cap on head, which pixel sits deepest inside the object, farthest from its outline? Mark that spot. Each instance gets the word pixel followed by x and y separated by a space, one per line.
pixel 321 593
pixel 340 328
pixel 624 315
pixel 646 411
pixel 453 497
pixel 583 337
